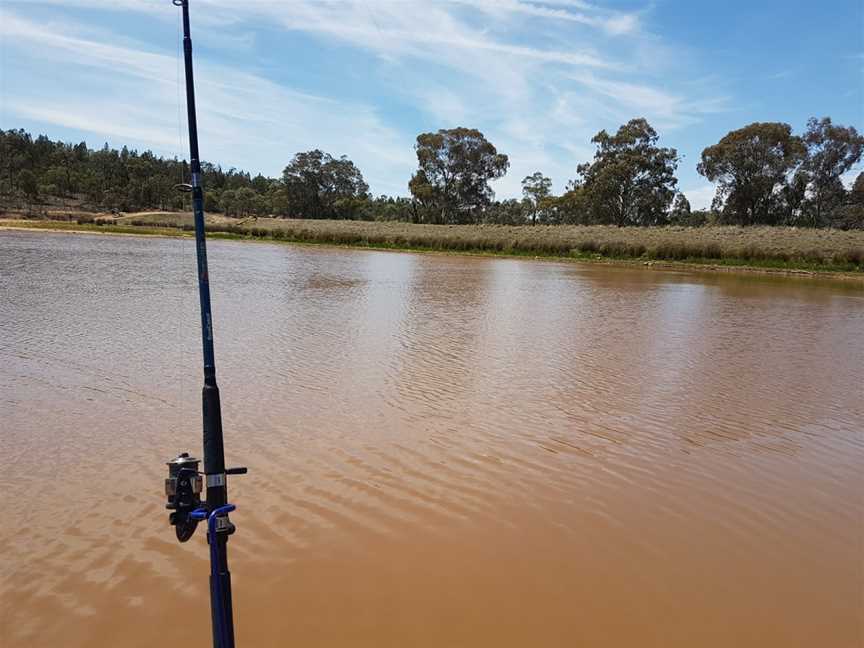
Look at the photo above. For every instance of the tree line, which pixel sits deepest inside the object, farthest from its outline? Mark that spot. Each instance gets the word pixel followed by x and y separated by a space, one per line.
pixel 764 174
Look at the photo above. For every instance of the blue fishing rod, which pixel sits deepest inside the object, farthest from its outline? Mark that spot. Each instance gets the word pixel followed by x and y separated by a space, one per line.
pixel 184 484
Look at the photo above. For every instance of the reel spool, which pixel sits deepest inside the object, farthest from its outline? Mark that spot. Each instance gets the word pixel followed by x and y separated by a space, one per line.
pixel 183 490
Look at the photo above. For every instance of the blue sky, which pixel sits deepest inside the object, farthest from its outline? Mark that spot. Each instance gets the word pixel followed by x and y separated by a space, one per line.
pixel 363 78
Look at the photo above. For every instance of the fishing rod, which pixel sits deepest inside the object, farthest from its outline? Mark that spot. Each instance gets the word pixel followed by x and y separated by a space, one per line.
pixel 184 483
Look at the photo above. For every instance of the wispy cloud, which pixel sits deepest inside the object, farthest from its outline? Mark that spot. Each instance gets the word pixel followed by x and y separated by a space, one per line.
pixel 615 23
pixel 539 92
pixel 665 109
pixel 424 31
pixel 243 118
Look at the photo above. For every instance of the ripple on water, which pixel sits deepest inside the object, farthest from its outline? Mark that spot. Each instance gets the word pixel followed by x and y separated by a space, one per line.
pixel 442 450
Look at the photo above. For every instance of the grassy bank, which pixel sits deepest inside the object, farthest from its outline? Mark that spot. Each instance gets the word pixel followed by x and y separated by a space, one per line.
pixel 780 248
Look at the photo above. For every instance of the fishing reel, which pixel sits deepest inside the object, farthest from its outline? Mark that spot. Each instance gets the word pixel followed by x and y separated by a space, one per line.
pixel 183 490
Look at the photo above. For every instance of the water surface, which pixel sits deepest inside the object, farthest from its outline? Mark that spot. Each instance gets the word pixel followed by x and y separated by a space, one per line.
pixel 443 451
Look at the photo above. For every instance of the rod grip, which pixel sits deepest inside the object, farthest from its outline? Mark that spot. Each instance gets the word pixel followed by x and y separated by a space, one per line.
pixel 214 452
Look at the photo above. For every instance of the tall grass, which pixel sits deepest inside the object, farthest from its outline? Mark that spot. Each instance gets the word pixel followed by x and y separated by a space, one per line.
pixel 763 246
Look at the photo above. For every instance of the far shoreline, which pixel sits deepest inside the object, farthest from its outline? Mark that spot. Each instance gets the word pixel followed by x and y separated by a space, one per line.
pixel 692 265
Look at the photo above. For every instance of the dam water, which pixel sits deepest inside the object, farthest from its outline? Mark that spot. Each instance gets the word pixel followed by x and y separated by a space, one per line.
pixel 443 451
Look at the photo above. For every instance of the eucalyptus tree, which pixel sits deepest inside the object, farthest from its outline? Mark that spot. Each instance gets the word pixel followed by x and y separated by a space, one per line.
pixel 850 215
pixel 856 195
pixel 537 190
pixel 631 180
pixel 751 166
pixel 680 213
pixel 454 169
pixel 831 151
pixel 317 185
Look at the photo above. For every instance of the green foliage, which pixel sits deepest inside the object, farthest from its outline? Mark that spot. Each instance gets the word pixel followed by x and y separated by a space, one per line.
pixel 455 167
pixel 680 214
pixel 631 180
pixel 831 151
pixel 765 175
pixel 28 184
pixel 537 190
pixel 506 212
pixel 850 214
pixel 700 217
pixel 573 207
pixel 856 195
pixel 750 166
pixel 317 185
pixel 101 179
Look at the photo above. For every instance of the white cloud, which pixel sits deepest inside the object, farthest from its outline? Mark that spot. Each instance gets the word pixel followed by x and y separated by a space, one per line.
pixel 623 24
pixel 244 120
pixel 119 121
pixel 666 110
pixel 613 23
pixel 424 31
pixel 539 93
pixel 700 197
pixel 446 106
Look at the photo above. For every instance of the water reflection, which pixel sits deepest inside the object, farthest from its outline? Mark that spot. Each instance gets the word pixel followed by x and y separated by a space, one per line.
pixel 443 450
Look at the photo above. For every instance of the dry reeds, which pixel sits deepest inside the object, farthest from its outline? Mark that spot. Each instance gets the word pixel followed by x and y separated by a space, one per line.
pixel 714 244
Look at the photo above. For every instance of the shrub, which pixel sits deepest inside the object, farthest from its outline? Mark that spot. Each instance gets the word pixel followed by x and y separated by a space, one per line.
pixel 752 252
pixel 813 256
pixel 711 251
pixel 855 256
pixel 674 251
pixel 622 249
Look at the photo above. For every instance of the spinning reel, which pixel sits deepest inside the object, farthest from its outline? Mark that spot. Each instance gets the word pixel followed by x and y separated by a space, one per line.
pixel 183 490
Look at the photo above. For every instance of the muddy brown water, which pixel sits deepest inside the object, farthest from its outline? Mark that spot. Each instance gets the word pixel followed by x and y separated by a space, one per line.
pixel 443 451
